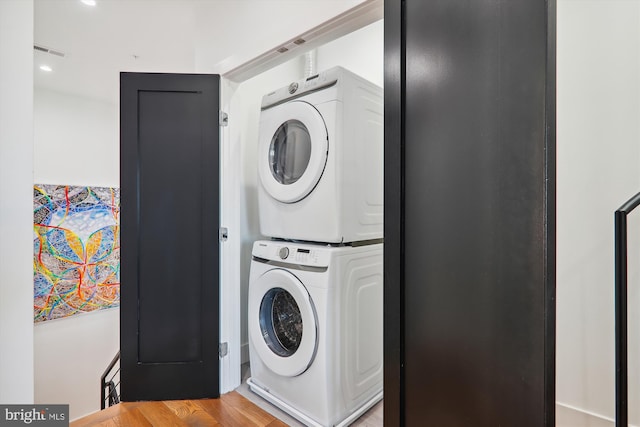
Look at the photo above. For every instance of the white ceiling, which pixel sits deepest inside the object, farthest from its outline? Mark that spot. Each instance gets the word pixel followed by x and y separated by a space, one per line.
pixel 212 36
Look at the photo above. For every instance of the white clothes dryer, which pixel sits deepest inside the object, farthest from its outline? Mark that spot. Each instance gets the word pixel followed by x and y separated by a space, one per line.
pixel 315 329
pixel 320 160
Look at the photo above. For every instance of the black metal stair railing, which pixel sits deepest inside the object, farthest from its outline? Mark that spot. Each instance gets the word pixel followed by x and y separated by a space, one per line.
pixel 622 378
pixel 110 388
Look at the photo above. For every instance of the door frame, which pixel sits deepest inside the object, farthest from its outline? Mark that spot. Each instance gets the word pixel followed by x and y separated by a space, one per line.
pixel 396 295
pixel 361 15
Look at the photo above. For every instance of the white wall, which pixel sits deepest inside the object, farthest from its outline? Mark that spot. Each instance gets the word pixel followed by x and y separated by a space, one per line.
pixel 76 143
pixel 250 28
pixel 361 52
pixel 16 195
pixel 598 157
pixel 76 140
pixel 71 355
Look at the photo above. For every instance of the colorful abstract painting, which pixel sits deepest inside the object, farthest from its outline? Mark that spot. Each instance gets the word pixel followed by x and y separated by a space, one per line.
pixel 76 256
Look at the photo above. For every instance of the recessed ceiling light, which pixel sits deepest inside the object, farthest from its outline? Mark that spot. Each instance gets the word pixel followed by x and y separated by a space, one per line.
pixel 89 2
pixel 46 68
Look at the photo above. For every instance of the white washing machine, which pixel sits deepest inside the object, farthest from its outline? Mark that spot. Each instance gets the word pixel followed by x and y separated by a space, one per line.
pixel 315 329
pixel 320 159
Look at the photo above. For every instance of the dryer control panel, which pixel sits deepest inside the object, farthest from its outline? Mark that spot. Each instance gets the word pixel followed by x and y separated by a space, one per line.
pixel 302 87
pixel 292 253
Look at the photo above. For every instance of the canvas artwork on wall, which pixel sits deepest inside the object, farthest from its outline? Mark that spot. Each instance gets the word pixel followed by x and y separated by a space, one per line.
pixel 76 255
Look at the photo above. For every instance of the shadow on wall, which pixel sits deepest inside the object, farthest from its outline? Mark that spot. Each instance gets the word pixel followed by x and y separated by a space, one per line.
pixel 252 234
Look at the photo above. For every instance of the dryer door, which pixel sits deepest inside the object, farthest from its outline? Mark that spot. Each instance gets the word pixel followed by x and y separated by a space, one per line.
pixel 292 150
pixel 282 323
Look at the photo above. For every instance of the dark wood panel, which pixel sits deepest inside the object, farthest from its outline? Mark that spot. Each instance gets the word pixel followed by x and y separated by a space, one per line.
pixel 473 134
pixel 550 218
pixel 394 66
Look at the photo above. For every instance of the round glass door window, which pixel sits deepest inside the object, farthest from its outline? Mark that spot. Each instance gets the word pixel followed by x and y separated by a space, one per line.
pixel 289 152
pixel 293 149
pixel 281 322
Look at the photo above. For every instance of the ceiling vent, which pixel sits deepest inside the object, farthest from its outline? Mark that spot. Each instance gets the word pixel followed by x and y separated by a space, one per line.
pixel 40 48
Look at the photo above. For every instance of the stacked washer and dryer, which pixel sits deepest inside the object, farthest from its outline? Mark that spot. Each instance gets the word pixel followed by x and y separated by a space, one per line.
pixel 316 288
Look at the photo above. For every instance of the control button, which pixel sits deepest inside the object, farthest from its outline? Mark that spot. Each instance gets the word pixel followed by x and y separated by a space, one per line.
pixel 283 252
pixel 293 87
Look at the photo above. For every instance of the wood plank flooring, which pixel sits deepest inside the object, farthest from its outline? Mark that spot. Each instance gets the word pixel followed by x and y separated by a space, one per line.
pixel 232 409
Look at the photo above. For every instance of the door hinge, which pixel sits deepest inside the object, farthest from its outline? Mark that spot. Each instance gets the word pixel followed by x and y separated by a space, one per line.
pixel 224 234
pixel 223 349
pixel 224 119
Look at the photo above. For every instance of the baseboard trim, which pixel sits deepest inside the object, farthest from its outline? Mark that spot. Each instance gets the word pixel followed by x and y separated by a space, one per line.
pixel 568 415
pixel 583 413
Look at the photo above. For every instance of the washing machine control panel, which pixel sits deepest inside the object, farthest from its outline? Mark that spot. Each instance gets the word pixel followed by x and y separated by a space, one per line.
pixel 284 252
pixel 291 253
pixel 305 256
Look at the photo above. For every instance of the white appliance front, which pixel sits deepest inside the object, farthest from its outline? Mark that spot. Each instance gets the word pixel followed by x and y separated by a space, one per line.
pixel 315 329
pixel 320 160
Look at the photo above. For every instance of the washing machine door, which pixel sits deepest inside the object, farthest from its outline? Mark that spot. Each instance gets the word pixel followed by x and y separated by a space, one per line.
pixel 292 150
pixel 282 323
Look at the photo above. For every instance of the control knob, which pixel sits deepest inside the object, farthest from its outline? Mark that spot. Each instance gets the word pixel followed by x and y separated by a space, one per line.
pixel 283 252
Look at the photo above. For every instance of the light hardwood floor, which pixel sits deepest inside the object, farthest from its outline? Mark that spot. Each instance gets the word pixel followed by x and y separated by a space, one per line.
pixel 231 409
pixel 235 410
